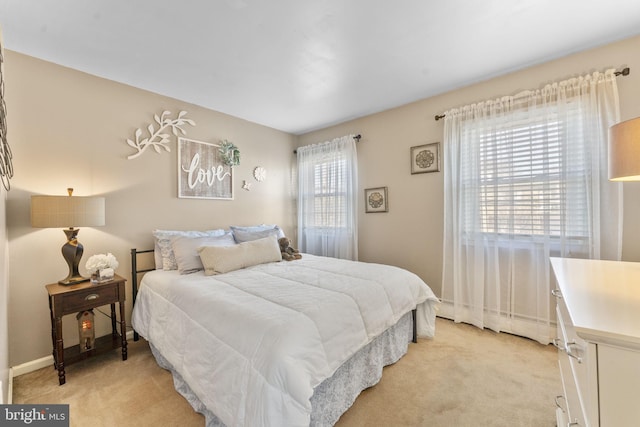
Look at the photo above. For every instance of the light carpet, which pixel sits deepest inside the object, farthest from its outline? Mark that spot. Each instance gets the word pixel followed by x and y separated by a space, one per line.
pixel 463 377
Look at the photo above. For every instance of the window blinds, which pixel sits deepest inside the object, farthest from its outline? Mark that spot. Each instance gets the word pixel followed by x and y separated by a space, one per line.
pixel 523 181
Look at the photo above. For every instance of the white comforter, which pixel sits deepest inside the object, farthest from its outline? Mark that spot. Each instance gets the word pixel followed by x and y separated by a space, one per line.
pixel 252 344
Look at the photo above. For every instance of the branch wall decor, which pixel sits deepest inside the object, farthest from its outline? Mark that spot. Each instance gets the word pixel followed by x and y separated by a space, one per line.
pixel 6 166
pixel 159 139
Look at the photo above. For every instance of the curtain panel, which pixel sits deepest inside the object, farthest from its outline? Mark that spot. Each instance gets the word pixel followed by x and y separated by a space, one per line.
pixel 526 178
pixel 327 198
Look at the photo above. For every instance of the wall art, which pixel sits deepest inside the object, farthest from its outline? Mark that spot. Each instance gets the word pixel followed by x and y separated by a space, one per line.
pixel 229 153
pixel 260 174
pixel 202 173
pixel 159 138
pixel 376 200
pixel 6 164
pixel 425 158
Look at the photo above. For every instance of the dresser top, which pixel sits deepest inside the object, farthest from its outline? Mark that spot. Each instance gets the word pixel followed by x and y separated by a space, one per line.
pixel 603 299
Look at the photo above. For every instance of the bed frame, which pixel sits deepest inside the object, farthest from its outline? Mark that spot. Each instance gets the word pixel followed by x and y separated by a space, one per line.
pixel 135 275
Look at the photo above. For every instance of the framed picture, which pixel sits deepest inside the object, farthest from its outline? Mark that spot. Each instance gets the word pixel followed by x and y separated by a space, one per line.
pixel 376 200
pixel 425 158
pixel 201 172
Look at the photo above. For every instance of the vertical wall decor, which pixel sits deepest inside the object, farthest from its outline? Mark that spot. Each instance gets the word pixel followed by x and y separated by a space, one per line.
pixel 202 172
pixel 159 138
pixel 6 166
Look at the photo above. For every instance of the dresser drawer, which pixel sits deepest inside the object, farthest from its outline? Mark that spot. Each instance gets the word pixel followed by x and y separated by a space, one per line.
pixel 574 397
pixel 88 298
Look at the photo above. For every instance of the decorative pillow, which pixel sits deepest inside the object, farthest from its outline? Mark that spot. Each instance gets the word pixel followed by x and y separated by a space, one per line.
pixel 164 256
pixel 186 254
pixel 256 228
pixel 223 259
pixel 241 236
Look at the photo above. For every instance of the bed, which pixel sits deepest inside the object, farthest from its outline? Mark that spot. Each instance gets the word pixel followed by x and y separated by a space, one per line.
pixel 276 343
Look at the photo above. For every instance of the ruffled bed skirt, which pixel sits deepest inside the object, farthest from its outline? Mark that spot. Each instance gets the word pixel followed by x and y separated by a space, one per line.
pixel 336 394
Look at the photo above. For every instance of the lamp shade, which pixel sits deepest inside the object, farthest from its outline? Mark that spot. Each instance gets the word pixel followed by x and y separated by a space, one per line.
pixel 67 211
pixel 624 151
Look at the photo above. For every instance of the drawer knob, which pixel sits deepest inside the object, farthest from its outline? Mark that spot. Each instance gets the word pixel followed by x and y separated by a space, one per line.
pixel 557 342
pixel 566 347
pixel 91 297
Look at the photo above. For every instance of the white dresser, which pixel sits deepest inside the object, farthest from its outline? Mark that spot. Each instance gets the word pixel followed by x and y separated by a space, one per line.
pixel 598 308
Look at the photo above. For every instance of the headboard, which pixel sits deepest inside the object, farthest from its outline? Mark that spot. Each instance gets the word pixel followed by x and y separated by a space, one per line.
pixel 134 277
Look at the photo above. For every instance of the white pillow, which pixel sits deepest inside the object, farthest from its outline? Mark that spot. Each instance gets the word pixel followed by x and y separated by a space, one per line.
pixel 186 254
pixel 164 256
pixel 223 259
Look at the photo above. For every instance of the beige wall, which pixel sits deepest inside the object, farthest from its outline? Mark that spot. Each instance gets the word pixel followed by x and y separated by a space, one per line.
pixel 68 129
pixel 410 234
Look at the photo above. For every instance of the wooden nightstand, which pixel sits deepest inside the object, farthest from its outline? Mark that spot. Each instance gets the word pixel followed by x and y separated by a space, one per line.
pixel 76 298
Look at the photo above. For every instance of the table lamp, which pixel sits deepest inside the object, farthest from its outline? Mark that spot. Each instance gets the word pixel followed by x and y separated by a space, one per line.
pixel 624 151
pixel 68 211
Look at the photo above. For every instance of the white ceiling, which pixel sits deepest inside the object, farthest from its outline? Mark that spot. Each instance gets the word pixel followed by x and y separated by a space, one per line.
pixel 300 65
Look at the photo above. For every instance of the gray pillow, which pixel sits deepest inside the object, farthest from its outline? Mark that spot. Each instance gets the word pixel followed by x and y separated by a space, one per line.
pixel 241 236
pixel 186 248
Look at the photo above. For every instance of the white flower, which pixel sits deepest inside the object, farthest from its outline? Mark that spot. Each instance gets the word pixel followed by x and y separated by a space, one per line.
pixel 101 261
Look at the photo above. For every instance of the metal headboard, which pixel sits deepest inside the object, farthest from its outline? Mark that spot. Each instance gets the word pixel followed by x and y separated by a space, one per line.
pixel 134 277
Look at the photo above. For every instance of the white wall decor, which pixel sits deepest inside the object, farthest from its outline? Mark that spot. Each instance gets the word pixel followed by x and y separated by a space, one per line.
pixel 202 173
pixel 246 185
pixel 159 138
pixel 260 173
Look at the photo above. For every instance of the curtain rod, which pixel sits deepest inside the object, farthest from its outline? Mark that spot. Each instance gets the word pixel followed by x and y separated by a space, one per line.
pixel 624 72
pixel 356 137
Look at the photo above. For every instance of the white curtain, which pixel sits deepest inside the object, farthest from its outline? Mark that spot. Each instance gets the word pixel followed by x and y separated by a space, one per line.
pixel 525 180
pixel 327 198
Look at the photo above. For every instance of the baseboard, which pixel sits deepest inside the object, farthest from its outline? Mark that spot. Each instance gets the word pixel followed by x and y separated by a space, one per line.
pixel 31 366
pixel 10 387
pixel 34 365
pixel 519 324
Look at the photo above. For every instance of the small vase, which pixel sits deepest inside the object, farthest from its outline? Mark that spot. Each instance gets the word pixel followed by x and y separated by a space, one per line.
pixel 102 276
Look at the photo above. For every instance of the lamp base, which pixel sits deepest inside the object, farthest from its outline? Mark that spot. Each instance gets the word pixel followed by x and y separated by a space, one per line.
pixel 72 280
pixel 72 252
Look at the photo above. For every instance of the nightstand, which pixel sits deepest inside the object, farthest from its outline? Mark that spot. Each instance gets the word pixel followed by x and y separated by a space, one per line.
pixel 79 297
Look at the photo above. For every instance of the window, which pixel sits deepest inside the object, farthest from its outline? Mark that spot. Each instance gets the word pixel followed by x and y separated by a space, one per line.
pixel 525 179
pixel 522 180
pixel 329 197
pixel 327 190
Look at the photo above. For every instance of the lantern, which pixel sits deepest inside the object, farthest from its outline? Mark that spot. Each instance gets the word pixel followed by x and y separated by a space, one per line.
pixel 85 330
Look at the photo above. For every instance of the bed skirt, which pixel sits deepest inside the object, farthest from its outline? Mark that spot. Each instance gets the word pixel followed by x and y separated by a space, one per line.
pixel 336 394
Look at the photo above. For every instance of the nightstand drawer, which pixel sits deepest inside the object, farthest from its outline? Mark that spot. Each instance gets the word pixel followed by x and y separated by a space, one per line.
pixel 89 298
